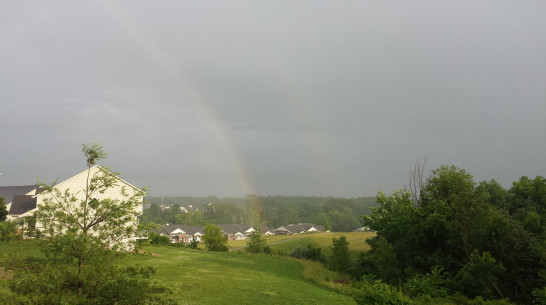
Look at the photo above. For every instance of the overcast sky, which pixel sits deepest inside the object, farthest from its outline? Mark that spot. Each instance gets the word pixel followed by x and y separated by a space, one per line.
pixel 326 98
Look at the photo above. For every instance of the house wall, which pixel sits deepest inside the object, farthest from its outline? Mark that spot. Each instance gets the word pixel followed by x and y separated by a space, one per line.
pixel 77 185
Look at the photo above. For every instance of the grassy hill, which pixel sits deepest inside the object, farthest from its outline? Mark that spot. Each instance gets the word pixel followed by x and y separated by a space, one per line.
pixel 201 277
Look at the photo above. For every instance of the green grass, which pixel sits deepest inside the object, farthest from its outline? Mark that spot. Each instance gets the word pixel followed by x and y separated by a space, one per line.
pixel 201 277
pixel 284 244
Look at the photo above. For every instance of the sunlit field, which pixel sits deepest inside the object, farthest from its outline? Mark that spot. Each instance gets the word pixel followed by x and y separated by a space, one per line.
pixel 284 244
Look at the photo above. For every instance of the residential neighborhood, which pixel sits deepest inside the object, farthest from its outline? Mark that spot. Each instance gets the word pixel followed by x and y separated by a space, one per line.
pixel 184 233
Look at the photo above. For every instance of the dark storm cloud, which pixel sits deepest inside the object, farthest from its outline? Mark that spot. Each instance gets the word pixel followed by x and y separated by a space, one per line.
pixel 312 97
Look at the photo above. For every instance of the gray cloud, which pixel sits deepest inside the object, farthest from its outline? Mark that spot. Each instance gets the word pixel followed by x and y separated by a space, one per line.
pixel 311 98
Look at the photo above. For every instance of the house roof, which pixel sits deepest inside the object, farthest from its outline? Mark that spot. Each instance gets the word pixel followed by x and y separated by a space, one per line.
pixel 22 204
pixel 233 228
pixel 189 230
pixel 300 228
pixel 8 192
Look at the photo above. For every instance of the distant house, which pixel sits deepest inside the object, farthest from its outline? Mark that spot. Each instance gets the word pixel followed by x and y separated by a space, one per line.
pixel 363 229
pixel 22 201
pixel 19 199
pixel 181 233
pixel 298 228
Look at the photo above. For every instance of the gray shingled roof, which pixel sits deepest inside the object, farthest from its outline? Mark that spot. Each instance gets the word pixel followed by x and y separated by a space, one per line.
pixel 8 192
pixel 22 204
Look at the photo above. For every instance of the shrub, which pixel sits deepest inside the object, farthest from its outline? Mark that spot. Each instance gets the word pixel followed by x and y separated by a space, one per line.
pixel 375 292
pixel 156 239
pixel 257 242
pixel 539 296
pixel 8 231
pixel 428 285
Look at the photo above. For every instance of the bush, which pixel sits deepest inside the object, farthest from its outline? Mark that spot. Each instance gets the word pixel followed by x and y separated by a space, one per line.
pixel 8 231
pixel 193 244
pixel 539 296
pixel 309 252
pixel 257 242
pixel 428 285
pixel 375 292
pixel 156 239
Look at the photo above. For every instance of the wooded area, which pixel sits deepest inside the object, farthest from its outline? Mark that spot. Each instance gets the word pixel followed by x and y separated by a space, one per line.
pixel 335 214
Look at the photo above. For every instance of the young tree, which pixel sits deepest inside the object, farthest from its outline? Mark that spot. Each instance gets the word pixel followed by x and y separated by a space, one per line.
pixel 82 226
pixel 214 239
pixel 257 242
pixel 88 214
pixel 3 209
pixel 89 211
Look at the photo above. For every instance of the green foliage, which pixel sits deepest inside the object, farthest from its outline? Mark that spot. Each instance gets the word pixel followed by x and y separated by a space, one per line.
pixel 539 296
pixel 430 285
pixel 52 281
pixel 3 209
pixel 214 239
pixel 157 239
pixel 257 242
pixel 479 277
pixel 193 244
pixel 340 260
pixel 489 242
pixel 309 252
pixel 86 211
pixel 79 268
pixel 375 292
pixel 8 231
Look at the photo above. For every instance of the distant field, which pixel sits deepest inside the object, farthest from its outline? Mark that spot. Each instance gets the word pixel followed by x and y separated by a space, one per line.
pixel 286 243
pixel 201 277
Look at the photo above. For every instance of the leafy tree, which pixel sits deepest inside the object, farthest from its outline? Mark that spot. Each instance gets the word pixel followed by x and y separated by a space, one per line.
pixel 214 239
pixel 3 209
pixel 257 242
pixel 340 260
pixel 465 229
pixel 87 212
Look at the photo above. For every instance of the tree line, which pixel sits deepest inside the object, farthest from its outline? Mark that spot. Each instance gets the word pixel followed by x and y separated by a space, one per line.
pixel 335 214
pixel 454 236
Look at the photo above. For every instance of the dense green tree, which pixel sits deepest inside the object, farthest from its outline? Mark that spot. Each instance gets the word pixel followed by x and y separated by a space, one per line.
pixel 214 239
pixel 3 209
pixel 340 260
pixel 465 229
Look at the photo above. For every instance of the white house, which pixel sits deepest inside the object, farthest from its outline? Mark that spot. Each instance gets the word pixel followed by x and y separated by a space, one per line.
pixel 23 201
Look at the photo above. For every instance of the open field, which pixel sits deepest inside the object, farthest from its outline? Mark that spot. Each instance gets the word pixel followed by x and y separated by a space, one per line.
pixel 201 277
pixel 284 244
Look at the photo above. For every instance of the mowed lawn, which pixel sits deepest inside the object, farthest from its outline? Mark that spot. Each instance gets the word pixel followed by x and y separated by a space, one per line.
pixel 286 243
pixel 202 277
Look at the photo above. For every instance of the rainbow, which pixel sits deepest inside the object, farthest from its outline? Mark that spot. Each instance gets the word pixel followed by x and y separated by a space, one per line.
pixel 164 57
